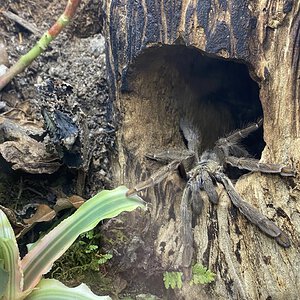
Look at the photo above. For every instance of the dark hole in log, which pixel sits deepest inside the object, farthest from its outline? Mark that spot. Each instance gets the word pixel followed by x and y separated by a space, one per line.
pixel 163 85
pixel 167 83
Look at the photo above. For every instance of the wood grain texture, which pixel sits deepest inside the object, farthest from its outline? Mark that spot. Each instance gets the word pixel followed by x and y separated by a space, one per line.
pixel 151 91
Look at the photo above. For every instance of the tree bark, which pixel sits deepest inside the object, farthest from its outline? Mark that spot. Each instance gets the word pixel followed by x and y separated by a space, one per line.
pixel 154 52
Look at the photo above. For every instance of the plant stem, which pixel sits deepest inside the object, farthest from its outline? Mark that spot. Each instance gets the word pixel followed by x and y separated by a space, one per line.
pixel 42 44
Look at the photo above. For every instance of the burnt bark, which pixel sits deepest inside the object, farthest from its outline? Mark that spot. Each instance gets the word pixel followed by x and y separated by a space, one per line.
pixel 168 59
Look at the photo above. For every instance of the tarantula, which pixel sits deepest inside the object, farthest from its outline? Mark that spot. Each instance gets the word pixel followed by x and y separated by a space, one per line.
pixel 208 170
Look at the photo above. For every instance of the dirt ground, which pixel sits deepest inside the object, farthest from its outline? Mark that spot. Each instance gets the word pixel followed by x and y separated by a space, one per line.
pixel 76 57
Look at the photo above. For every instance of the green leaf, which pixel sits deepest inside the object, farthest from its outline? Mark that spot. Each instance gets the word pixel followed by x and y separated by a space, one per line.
pixel 106 204
pixel 201 275
pixel 172 279
pixel 10 261
pixel 55 290
pixel 3 281
pixel 6 230
pixel 91 248
pixel 89 235
pixel 104 258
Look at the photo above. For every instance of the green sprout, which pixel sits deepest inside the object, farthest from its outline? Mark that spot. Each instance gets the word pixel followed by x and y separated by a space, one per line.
pixel 172 280
pixel 200 275
pixel 41 45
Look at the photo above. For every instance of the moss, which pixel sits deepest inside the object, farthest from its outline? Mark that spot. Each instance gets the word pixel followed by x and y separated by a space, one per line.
pixel 84 262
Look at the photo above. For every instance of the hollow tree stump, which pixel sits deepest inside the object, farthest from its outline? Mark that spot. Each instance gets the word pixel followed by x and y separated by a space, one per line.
pixel 168 59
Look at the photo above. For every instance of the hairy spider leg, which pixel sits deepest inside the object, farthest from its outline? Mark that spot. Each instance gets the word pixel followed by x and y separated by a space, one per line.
pixel 186 231
pixel 252 214
pixel 155 178
pixel 170 155
pixel 254 165
pixel 190 206
pixel 203 176
pixel 229 145
pixel 173 157
pixel 209 187
pixel 239 134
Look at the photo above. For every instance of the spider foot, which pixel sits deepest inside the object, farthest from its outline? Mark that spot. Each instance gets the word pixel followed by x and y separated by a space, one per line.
pixel 283 240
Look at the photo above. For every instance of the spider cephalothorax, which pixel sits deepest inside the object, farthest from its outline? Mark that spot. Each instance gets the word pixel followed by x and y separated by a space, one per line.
pixel 206 171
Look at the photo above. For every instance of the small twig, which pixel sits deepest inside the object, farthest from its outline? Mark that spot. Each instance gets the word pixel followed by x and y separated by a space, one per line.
pixel 34 191
pixel 32 28
pixel 21 185
pixel 42 44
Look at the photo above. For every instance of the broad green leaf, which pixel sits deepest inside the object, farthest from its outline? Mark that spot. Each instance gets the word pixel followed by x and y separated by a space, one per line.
pixel 53 289
pixel 106 204
pixel 10 260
